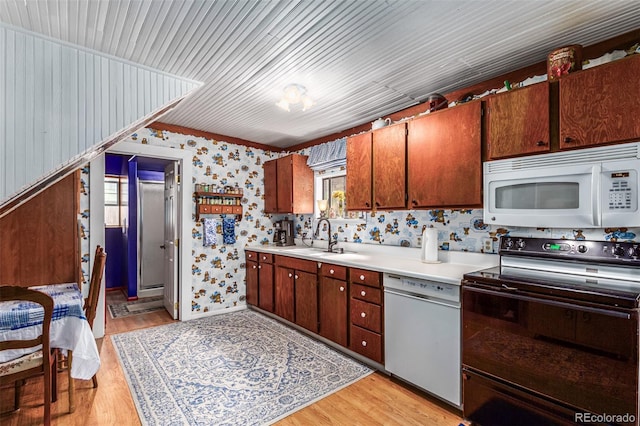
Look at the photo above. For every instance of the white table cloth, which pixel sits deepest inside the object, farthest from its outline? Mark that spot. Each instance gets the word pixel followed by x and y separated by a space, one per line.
pixel 69 327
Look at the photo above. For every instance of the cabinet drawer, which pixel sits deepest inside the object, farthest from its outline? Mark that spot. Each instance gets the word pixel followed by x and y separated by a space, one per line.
pixel 251 255
pixel 204 208
pixel 366 343
pixel 297 264
pixel 364 277
pixel 334 271
pixel 265 257
pixel 368 294
pixel 366 315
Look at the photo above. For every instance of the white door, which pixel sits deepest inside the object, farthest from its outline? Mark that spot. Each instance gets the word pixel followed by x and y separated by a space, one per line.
pixel 151 229
pixel 170 246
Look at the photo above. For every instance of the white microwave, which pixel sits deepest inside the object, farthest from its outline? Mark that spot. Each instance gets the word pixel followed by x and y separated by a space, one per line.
pixel 586 188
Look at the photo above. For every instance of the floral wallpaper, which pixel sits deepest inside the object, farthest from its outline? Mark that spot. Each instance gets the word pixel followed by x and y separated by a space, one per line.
pixel 218 270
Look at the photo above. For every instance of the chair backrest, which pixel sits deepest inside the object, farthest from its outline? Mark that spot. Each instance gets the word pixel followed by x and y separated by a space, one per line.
pixel 91 302
pixel 14 293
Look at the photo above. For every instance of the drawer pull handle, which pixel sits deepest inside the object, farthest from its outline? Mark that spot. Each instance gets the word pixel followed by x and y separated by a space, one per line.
pixel 363 314
pixel 290 274
pixel 364 343
pixel 341 288
pixel 331 271
pixel 361 277
pixel 363 293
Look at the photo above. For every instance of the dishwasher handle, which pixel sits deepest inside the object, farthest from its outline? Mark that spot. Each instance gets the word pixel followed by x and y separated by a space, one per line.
pixel 423 299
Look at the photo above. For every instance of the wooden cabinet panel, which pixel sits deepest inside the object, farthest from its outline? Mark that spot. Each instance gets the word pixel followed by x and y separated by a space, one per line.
pixel 600 105
pixel 366 343
pixel 270 186
pixel 366 315
pixel 265 287
pixel 368 294
pixel 252 281
pixel 444 158
pixel 288 185
pixel 365 277
pixel 333 299
pixel 297 264
pixel 39 239
pixel 359 164
pixel 284 291
pixel 518 122
pixel 333 271
pixel 389 167
pixel 265 257
pixel 306 296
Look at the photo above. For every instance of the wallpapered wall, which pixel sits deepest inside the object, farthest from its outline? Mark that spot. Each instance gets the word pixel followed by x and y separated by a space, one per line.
pixel 218 271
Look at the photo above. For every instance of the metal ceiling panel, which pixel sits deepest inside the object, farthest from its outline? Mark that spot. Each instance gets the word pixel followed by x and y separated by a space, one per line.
pixel 358 59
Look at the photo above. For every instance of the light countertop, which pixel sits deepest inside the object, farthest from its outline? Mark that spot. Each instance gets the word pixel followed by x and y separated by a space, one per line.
pixel 390 259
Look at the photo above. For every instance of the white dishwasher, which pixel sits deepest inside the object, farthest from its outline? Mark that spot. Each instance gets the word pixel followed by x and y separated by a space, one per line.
pixel 422 334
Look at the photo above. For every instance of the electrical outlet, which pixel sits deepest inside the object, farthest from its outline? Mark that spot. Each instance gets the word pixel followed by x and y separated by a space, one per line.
pixel 487 245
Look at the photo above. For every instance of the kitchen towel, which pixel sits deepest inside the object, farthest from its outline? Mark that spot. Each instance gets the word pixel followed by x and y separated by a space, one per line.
pixel 209 237
pixel 229 230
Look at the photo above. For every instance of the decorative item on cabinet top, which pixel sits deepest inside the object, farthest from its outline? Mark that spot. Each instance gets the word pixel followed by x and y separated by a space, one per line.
pixel 211 199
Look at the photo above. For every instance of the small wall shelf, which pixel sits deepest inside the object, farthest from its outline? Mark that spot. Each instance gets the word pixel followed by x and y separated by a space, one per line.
pixel 218 203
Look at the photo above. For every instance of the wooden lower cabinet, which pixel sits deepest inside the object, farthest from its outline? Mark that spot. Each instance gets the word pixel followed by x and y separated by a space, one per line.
pixel 366 314
pixel 306 296
pixel 366 343
pixel 333 301
pixel 265 286
pixel 252 283
pixel 284 293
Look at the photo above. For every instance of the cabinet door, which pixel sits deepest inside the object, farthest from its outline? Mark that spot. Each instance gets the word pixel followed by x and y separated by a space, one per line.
pixel 359 163
pixel 284 283
pixel 334 323
pixel 518 122
pixel 302 185
pixel 306 295
pixel 285 184
pixel 265 284
pixel 252 283
pixel 389 167
pixel 600 105
pixel 270 187
pixel 444 158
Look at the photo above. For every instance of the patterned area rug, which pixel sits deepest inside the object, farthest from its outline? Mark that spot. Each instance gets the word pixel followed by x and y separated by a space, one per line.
pixel 241 368
pixel 136 307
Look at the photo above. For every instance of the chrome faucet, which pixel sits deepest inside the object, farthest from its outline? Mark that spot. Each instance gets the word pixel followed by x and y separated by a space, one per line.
pixel 332 242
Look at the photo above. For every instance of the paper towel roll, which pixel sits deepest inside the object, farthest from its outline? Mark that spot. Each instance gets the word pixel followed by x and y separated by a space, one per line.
pixel 429 252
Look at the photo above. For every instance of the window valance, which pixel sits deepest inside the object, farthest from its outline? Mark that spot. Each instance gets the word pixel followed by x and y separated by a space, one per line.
pixel 328 155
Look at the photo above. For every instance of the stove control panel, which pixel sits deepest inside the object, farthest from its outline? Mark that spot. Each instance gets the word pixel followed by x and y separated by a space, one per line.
pixel 608 251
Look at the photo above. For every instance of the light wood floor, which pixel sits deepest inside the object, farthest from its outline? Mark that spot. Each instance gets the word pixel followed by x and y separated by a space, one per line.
pixel 374 400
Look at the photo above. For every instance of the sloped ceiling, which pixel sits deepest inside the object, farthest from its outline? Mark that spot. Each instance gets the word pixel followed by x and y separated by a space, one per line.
pixel 359 60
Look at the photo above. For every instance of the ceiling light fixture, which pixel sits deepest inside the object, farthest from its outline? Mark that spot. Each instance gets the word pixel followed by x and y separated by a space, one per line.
pixel 294 94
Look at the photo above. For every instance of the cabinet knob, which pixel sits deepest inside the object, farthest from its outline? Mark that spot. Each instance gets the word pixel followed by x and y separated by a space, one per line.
pixel 254 266
pixel 264 257
pixel 290 274
pixel 414 202
pixel 364 343
pixel 331 271
pixel 541 143
pixel 259 266
pixel 366 204
pixel 363 293
pixel 361 277
pixel 341 288
pixel 296 277
pixel 377 204
pixel 363 314
pixel 568 140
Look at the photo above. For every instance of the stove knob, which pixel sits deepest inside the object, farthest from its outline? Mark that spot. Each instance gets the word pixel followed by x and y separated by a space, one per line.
pixel 618 251
pixel 634 252
pixel 520 244
pixel 582 248
pixel 508 243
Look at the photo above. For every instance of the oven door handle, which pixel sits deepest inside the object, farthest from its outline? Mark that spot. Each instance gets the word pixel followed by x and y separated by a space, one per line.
pixel 556 303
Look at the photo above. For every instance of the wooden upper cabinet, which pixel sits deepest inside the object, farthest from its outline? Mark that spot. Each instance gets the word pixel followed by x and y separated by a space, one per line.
pixel 518 122
pixel 601 105
pixel 288 185
pixel 444 158
pixel 270 187
pixel 389 167
pixel 359 163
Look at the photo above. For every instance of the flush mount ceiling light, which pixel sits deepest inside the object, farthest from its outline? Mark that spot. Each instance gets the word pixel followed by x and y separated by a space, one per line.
pixel 294 94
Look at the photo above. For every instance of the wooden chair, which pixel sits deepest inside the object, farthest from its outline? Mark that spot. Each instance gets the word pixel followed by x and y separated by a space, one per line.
pixel 91 302
pixel 40 362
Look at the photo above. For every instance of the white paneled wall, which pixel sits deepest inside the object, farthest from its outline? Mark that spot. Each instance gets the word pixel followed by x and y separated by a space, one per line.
pixel 58 101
